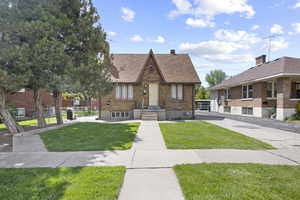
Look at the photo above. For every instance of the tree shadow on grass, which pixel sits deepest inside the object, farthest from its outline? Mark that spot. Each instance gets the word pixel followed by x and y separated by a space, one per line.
pixel 76 183
pixel 89 136
pixel 38 183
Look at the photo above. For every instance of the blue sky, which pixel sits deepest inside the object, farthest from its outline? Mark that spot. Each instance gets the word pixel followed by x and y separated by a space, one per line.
pixel 218 34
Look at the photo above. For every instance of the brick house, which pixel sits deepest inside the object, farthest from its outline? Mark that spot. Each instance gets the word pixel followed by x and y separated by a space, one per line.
pixel 268 90
pixel 151 86
pixel 24 103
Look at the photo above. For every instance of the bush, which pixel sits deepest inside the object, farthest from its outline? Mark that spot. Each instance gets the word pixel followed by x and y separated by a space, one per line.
pixel 298 108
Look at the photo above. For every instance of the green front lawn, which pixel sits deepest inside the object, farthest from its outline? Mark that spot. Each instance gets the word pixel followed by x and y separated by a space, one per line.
pixel 32 122
pixel 239 181
pixel 85 113
pixel 92 183
pixel 91 137
pixel 203 135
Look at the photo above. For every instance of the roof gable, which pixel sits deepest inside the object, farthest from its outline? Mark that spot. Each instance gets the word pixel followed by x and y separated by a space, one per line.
pixel 147 71
pixel 176 68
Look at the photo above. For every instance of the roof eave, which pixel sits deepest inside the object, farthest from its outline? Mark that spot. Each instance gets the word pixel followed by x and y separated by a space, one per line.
pixel 255 80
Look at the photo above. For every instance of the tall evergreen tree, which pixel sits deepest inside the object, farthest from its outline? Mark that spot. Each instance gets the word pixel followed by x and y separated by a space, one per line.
pixel 13 74
pixel 92 60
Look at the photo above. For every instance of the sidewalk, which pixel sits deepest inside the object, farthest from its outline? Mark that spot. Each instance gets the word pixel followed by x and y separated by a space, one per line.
pixel 145 180
pixel 149 164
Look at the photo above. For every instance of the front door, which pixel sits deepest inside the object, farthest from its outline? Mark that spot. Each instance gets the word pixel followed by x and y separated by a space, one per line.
pixel 153 94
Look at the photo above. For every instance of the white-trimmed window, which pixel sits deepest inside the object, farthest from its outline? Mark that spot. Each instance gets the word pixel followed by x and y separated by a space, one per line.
pixel 227 93
pixel 247 91
pixel 272 89
pixel 20 112
pixel 124 91
pixel 119 115
pixel 247 110
pixel 177 91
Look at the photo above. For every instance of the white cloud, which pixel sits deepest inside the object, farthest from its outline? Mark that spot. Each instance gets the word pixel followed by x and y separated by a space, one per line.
pixel 211 8
pixel 210 47
pixel 159 39
pixel 296 27
pixel 237 36
pixel 276 29
pixel 128 14
pixel 208 65
pixel 229 59
pixel 111 34
pixel 279 44
pixel 136 38
pixel 217 51
pixel 199 22
pixel 255 27
pixel 183 7
pixel 297 5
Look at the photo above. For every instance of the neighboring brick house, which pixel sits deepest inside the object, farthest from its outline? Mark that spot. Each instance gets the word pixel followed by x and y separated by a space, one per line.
pixel 270 89
pixel 24 103
pixel 151 86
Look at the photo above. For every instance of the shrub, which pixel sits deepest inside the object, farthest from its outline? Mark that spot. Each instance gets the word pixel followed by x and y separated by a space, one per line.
pixel 298 108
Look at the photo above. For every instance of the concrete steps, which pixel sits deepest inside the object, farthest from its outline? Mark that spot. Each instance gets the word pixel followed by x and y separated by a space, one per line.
pixel 148 115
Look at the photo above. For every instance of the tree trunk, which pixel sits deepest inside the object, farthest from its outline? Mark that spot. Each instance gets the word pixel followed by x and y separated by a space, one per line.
pixel 57 103
pixel 99 107
pixel 90 104
pixel 39 109
pixel 6 117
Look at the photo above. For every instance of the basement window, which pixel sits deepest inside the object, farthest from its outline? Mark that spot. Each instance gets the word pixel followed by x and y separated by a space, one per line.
pixel 119 115
pixel 227 109
pixel 247 111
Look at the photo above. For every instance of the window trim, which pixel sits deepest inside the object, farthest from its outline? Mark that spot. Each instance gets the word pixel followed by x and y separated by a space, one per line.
pixel 272 90
pixel 120 115
pixel 297 83
pixel 119 92
pixel 227 94
pixel 23 111
pixel 247 113
pixel 247 92
pixel 176 91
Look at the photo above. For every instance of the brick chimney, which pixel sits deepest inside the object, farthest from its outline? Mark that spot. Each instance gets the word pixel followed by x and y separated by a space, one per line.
pixel 173 52
pixel 261 59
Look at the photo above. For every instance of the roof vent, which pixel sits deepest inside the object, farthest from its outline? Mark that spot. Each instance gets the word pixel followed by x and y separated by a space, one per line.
pixel 261 59
pixel 172 51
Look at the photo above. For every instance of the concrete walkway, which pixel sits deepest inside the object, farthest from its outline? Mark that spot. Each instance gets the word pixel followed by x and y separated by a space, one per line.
pixel 149 164
pixel 150 183
pixel 278 138
pixel 149 137
pixel 158 184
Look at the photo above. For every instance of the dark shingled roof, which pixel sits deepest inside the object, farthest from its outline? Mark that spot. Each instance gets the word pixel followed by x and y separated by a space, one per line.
pixel 279 67
pixel 176 68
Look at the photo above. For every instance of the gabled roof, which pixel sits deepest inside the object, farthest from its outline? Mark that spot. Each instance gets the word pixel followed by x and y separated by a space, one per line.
pixel 285 66
pixel 174 68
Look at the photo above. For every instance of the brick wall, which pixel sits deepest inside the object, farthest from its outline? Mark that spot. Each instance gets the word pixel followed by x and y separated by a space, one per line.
pixel 149 74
